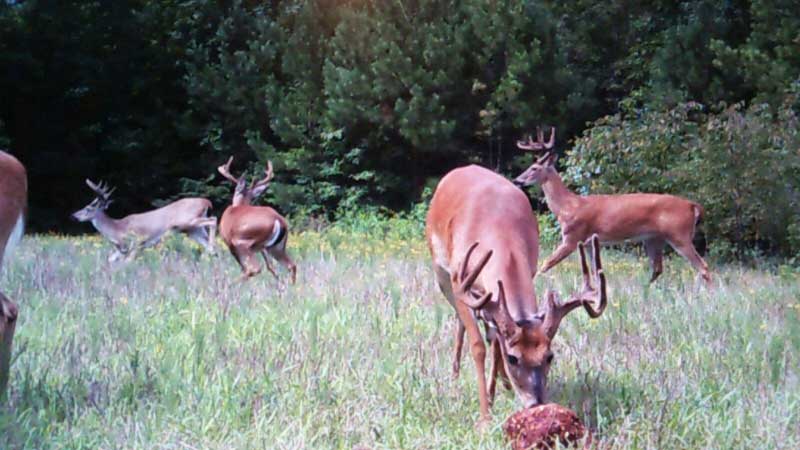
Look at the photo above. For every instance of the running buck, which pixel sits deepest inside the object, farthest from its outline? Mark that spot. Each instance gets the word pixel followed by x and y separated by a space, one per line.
pixel 137 231
pixel 474 208
pixel 249 230
pixel 654 219
pixel 13 201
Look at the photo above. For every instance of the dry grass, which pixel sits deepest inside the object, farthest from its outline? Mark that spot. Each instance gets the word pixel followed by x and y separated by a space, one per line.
pixel 167 352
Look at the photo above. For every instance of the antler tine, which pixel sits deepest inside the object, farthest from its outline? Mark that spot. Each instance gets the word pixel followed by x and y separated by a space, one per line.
pixel 526 143
pixel 529 144
pixel 589 296
pixel 100 189
pixel 268 176
pixel 466 278
pixel 600 298
pixel 224 170
pixel 539 144
pixel 92 185
pixel 549 144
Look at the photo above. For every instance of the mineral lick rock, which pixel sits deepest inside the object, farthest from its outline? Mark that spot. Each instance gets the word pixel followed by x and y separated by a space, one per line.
pixel 540 426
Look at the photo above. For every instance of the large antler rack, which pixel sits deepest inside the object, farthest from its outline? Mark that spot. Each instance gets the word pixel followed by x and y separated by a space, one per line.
pixel 100 189
pixel 536 146
pixel 592 296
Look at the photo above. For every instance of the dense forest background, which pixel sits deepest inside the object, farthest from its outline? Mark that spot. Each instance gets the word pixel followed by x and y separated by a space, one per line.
pixel 365 103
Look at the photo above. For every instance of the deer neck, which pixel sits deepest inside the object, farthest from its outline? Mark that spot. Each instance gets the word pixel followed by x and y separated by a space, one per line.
pixel 110 228
pixel 559 199
pixel 241 200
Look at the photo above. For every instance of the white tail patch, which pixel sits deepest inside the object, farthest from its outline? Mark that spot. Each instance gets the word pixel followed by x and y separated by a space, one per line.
pixel 14 238
pixel 276 234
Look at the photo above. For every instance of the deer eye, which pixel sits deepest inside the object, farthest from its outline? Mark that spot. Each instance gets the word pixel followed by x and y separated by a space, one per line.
pixel 513 360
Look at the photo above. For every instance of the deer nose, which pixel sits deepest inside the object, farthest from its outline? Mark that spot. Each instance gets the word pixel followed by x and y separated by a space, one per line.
pixel 517 182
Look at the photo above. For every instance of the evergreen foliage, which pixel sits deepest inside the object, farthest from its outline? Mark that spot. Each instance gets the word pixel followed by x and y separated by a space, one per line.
pixel 367 102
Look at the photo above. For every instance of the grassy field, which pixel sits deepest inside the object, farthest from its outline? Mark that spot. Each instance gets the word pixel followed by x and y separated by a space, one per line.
pixel 170 352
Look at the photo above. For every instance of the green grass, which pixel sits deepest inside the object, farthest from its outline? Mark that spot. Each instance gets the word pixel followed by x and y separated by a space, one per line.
pixel 170 352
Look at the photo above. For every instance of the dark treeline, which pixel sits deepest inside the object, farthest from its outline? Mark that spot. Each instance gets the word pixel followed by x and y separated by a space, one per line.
pixel 365 102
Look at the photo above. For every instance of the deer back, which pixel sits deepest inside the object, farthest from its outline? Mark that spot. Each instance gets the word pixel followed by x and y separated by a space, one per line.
pixel 473 204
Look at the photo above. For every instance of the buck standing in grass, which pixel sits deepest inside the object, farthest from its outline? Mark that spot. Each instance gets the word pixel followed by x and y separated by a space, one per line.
pixel 475 208
pixel 13 201
pixel 137 231
pixel 654 219
pixel 252 230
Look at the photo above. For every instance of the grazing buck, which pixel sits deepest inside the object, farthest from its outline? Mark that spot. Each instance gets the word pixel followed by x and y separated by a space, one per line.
pixel 137 231
pixel 475 208
pixel 653 219
pixel 249 230
pixel 13 201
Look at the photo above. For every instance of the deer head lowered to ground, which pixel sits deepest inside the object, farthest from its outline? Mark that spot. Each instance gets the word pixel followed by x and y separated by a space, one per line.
pixel 137 231
pixel 654 219
pixel 252 230
pixel 474 209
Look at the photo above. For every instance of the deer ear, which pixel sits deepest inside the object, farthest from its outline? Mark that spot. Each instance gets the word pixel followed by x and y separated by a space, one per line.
pixel 551 159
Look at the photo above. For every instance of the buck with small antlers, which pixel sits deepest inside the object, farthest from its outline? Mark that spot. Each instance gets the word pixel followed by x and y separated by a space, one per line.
pixel 137 231
pixel 13 201
pixel 474 208
pixel 251 230
pixel 654 219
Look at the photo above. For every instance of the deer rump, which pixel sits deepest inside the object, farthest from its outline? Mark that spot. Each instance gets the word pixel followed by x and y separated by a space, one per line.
pixel 247 224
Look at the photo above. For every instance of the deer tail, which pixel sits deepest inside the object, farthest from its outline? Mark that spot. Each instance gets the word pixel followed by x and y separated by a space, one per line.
pixel 698 213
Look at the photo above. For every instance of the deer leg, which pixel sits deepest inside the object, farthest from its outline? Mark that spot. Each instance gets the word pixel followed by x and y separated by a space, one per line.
pixel 443 281
pixel 142 244
pixel 139 245
pixel 278 252
pixel 252 268
pixel 235 255
pixel 212 229
pixel 266 255
pixel 687 250
pixel 115 255
pixel 8 323
pixel 205 226
pixel 478 350
pixel 459 344
pixel 131 254
pixel 497 362
pixel 199 235
pixel 655 251
pixel 497 371
pixel 565 249
pixel 243 253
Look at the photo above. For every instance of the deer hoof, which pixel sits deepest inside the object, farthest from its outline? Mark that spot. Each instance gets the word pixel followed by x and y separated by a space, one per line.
pixel 483 424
